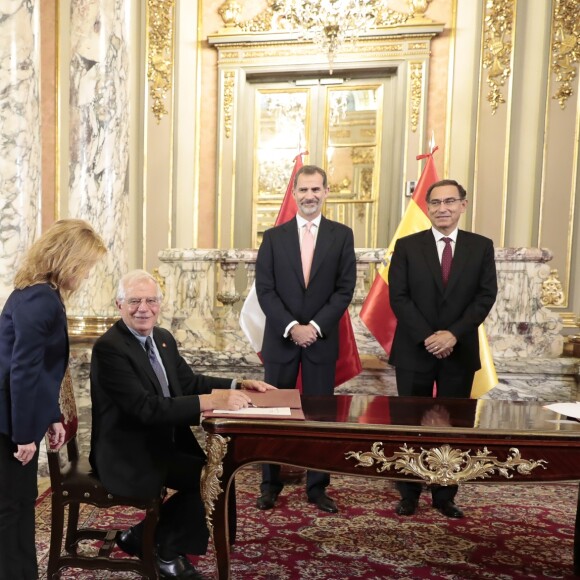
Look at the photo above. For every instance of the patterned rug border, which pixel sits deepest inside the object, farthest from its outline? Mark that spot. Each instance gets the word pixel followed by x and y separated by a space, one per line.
pixel 510 532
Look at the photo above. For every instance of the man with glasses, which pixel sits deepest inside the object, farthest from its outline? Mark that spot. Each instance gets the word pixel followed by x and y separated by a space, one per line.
pixel 144 399
pixel 442 285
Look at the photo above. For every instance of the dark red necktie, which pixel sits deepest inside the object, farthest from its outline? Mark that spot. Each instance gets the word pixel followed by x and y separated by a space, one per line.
pixel 446 260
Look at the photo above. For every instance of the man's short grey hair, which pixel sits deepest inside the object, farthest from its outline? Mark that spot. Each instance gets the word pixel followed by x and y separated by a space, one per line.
pixel 136 276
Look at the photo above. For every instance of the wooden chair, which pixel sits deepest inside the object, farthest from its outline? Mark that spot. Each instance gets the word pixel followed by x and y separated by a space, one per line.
pixel 73 484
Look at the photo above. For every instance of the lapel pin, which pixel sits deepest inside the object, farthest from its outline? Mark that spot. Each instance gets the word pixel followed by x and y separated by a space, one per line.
pixel 163 345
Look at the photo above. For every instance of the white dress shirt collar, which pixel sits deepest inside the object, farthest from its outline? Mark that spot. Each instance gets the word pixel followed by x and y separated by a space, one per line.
pixel 439 236
pixel 302 222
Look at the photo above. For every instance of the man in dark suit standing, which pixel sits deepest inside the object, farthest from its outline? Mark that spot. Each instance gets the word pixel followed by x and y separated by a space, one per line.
pixel 144 399
pixel 442 285
pixel 305 278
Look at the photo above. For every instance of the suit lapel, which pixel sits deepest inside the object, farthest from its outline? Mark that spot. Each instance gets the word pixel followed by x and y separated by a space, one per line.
pixel 432 258
pixel 139 354
pixel 169 368
pixel 324 240
pixel 460 257
pixel 292 242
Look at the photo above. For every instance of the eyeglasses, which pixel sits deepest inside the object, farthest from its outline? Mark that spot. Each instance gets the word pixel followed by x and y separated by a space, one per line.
pixel 136 302
pixel 446 201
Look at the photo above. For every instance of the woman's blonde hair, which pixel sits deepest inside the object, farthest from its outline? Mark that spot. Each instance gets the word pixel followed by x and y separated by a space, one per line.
pixel 67 250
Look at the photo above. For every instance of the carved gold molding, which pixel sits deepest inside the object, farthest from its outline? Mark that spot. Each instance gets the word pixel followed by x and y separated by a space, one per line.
pixel 230 12
pixel 552 291
pixel 160 279
pixel 239 53
pixel 444 465
pixel 497 47
pixel 82 328
pixel 570 319
pixel 229 83
pixel 418 9
pixel 416 86
pixel 270 19
pixel 160 34
pixel 216 449
pixel 565 47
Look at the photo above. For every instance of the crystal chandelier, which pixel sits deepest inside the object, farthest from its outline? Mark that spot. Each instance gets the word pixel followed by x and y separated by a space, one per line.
pixel 330 23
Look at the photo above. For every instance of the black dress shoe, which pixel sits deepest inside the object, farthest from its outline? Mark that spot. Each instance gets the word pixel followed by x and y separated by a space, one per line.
pixel 180 567
pixel 449 509
pixel 129 543
pixel 267 500
pixel 324 503
pixel 406 507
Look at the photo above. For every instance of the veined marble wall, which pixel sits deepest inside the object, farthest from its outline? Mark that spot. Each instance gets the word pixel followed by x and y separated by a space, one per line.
pixel 99 141
pixel 20 148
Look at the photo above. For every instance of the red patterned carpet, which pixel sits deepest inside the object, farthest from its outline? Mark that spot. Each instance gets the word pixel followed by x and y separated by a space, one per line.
pixel 510 532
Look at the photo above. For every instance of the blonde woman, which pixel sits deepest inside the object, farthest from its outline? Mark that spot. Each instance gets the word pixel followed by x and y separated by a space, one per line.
pixel 34 353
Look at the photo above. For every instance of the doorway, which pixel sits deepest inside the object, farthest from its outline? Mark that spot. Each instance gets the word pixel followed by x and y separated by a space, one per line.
pixel 347 127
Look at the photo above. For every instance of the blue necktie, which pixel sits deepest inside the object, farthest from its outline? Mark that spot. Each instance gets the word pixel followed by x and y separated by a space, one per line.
pixel 157 367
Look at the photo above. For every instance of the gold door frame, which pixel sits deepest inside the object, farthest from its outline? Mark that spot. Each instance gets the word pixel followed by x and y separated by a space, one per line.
pixel 405 48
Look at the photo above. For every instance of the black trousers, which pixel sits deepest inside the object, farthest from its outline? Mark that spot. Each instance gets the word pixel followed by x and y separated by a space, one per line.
pixel 18 494
pixel 411 383
pixel 317 379
pixel 182 528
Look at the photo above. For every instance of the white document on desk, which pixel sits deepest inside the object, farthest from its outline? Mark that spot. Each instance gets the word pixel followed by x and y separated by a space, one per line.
pixel 568 409
pixel 277 411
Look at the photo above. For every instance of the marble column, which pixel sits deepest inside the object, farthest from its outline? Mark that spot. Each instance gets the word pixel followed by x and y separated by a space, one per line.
pixel 99 141
pixel 20 151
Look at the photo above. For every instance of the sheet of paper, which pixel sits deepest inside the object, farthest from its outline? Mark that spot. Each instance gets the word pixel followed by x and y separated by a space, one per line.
pixel 568 409
pixel 278 411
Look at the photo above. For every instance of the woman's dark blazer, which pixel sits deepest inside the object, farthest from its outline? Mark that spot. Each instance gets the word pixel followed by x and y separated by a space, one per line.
pixel 34 353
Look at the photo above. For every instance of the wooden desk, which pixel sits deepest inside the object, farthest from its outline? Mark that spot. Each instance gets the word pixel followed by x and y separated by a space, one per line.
pixel 442 441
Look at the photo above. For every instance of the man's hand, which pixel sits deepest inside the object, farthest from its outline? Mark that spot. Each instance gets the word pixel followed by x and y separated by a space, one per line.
pixel 440 344
pixel 56 435
pixel 229 399
pixel 260 386
pixel 303 334
pixel 24 453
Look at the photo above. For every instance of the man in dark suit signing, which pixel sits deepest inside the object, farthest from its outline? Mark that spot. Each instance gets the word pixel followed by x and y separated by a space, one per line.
pixel 305 278
pixel 442 285
pixel 144 399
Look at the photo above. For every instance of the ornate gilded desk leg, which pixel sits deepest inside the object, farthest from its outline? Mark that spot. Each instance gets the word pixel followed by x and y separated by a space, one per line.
pixel 211 489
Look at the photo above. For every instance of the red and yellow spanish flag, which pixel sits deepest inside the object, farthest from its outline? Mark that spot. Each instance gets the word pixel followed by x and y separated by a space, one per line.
pixel 253 320
pixel 376 311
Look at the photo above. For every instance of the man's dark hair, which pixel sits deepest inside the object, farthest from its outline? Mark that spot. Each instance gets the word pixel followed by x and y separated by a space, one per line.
pixel 311 170
pixel 460 188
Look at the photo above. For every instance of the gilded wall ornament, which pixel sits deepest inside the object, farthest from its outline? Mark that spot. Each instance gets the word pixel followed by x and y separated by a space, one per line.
pixel 415 86
pixel 444 465
pixel 418 9
pixel 271 18
pixel 498 47
pixel 160 279
pixel 160 33
pixel 230 12
pixel 552 291
pixel 565 47
pixel 216 449
pixel 229 83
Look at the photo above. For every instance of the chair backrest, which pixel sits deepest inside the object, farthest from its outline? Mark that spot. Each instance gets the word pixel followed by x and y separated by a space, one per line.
pixel 69 418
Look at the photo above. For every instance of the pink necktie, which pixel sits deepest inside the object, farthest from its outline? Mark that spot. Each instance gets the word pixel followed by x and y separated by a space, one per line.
pixel 307 251
pixel 446 259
